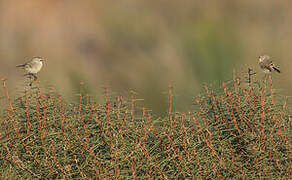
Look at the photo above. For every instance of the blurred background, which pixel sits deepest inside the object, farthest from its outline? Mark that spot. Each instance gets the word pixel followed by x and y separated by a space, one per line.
pixel 143 45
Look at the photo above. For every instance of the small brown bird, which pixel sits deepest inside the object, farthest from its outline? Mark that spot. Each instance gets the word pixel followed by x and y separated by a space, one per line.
pixel 33 66
pixel 267 65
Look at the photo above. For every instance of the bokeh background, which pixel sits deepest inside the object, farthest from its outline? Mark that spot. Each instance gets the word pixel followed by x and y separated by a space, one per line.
pixel 143 45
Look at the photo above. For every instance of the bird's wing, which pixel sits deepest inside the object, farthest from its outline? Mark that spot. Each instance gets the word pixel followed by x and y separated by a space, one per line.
pixel 270 68
pixel 268 61
pixel 25 64
pixel 29 64
pixel 266 64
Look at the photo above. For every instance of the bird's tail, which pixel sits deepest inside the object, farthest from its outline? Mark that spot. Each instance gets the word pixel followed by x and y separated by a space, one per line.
pixel 21 65
pixel 276 69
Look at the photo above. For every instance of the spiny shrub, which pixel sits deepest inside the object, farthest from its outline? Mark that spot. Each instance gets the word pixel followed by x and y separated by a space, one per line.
pixel 244 132
pixel 236 131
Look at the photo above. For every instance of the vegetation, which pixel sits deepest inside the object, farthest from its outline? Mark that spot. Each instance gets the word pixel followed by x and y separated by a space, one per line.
pixel 240 130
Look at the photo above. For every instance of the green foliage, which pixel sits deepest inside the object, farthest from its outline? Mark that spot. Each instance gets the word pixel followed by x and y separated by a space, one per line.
pixel 236 132
pixel 211 48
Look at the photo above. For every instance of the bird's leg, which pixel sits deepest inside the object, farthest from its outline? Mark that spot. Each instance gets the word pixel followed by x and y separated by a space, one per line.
pixel 30 75
pixel 30 81
pixel 35 77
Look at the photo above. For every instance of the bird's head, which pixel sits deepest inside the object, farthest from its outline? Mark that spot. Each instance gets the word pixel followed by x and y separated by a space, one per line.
pixel 38 59
pixel 263 57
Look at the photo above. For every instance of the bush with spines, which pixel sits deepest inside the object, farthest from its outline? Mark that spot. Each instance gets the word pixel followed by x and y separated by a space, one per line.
pixel 236 131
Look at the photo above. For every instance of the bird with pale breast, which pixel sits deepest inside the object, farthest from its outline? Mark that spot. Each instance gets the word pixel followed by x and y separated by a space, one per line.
pixel 33 66
pixel 267 64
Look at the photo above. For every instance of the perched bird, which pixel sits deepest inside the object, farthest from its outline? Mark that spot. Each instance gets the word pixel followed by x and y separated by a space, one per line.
pixel 267 65
pixel 33 66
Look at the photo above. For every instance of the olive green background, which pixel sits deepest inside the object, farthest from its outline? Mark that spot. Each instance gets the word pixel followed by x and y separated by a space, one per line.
pixel 143 45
